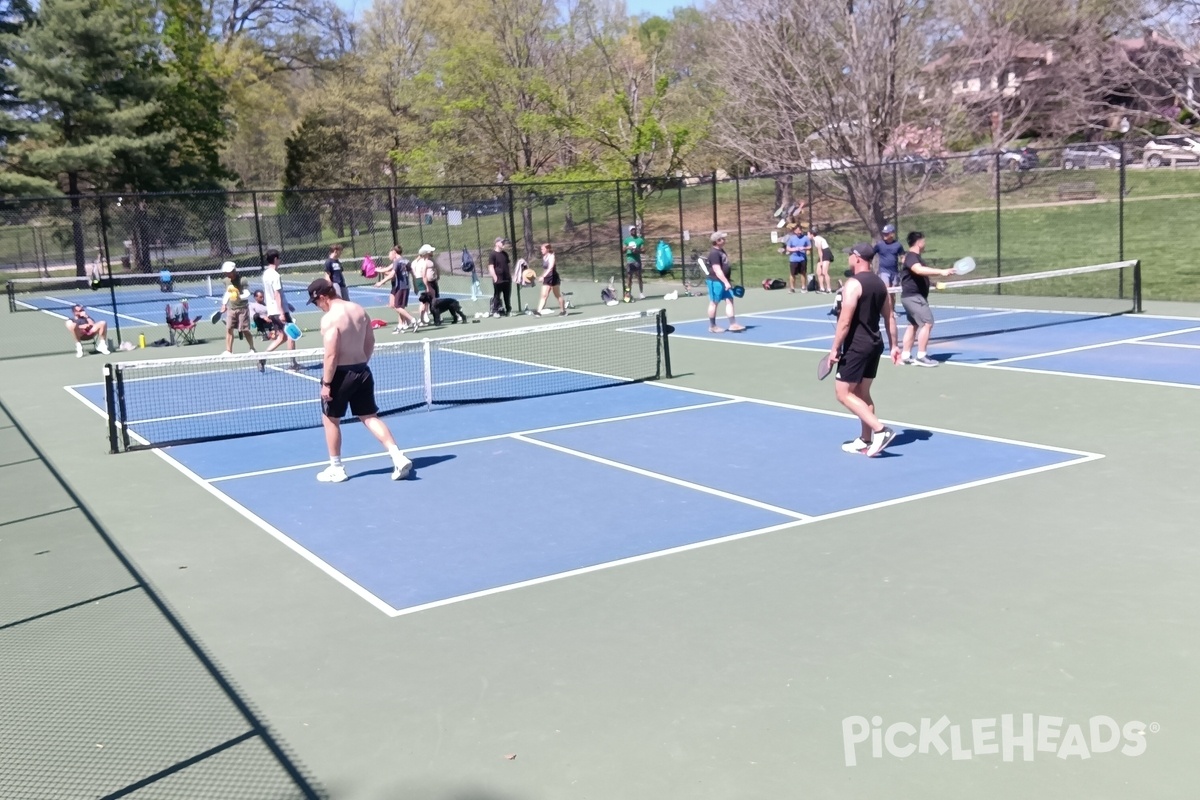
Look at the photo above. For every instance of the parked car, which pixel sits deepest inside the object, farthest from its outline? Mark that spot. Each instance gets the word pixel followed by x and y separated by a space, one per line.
pixel 981 158
pixel 1082 156
pixel 1171 149
pixel 915 166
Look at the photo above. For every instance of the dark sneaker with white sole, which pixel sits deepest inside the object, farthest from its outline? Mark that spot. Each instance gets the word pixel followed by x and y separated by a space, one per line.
pixel 880 441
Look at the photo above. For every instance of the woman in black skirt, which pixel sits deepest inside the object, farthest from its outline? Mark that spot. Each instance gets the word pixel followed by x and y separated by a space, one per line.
pixel 551 282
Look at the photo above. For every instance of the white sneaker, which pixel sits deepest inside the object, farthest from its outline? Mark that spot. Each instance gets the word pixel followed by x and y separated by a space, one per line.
pixel 102 347
pixel 855 446
pixel 227 353
pixel 79 349
pixel 641 296
pixel 401 467
pixel 907 360
pixel 925 361
pixel 332 474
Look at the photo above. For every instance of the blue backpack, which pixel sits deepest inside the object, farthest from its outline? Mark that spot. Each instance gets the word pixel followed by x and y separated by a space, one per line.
pixel 663 260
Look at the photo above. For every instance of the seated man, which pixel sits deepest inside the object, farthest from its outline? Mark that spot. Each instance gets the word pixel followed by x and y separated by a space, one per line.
pixel 83 328
pixel 259 317
pixel 441 305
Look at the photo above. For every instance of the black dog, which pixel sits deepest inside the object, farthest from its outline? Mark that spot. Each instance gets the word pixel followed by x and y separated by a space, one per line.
pixel 442 305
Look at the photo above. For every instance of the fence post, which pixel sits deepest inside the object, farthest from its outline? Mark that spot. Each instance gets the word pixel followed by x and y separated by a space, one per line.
pixel 512 224
pixel 996 165
pixel 682 242
pixel 112 289
pixel 449 244
pixel 393 216
pixel 633 200
pixel 621 239
pixel 716 222
pixel 591 240
pixel 262 258
pixel 808 180
pixel 896 197
pixel 1121 223
pixel 737 193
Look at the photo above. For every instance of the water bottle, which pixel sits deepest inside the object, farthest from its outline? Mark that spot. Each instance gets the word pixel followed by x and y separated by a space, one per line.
pixel 142 340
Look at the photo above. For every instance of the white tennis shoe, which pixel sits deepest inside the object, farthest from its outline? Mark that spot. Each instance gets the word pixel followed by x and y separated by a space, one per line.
pixel 855 446
pixel 332 474
pixel 401 467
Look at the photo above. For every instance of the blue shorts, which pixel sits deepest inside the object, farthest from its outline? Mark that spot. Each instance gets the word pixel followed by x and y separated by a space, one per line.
pixel 717 291
pixel 889 278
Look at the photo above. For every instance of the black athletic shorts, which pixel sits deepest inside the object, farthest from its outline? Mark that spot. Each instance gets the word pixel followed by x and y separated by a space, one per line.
pixel 859 365
pixel 279 321
pixel 353 386
pixel 798 267
pixel 552 279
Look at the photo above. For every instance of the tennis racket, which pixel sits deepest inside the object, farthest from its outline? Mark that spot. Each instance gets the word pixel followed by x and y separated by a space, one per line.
pixel 215 317
pixel 292 331
pixel 825 366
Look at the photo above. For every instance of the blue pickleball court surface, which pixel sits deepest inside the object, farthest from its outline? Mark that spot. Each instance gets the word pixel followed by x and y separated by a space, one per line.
pixel 1134 347
pixel 513 493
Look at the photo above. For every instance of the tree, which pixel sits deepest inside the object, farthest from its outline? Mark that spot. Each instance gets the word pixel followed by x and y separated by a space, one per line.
pixel 827 78
pixel 88 74
pixel 15 16
pixel 631 116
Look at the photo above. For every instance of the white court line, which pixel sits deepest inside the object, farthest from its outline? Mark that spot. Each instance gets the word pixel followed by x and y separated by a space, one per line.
pixel 476 440
pixel 258 521
pixel 100 310
pixel 727 399
pixel 1064 351
pixel 1168 344
pixel 1060 373
pixel 658 476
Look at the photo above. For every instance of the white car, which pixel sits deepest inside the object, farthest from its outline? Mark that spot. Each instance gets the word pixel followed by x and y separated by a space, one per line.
pixel 1171 150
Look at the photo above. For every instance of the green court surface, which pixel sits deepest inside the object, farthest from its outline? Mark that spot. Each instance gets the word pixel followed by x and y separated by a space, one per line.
pixel 750 667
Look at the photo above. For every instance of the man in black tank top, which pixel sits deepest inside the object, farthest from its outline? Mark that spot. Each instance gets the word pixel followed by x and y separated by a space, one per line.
pixel 858 346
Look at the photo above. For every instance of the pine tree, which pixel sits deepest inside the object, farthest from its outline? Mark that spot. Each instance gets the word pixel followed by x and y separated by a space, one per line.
pixel 88 74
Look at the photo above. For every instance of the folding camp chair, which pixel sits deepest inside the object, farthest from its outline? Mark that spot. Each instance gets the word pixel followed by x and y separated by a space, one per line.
pixel 180 321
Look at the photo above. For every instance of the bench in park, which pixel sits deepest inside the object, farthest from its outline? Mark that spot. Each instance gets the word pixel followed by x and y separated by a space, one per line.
pixel 1077 190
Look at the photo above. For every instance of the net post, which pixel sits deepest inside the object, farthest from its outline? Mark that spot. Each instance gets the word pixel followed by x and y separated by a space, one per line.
pixel 119 379
pixel 110 406
pixel 427 361
pixel 664 344
pixel 1137 287
pixel 10 290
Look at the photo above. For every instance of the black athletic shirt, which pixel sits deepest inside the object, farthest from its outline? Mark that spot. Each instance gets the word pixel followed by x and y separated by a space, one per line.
pixel 910 282
pixel 499 260
pixel 400 276
pixel 333 269
pixel 718 258
pixel 864 334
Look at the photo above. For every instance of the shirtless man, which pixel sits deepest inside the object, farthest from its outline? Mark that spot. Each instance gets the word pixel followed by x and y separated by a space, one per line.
pixel 347 381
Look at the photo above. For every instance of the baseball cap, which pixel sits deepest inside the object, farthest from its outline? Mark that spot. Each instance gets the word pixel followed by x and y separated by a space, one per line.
pixel 864 250
pixel 500 240
pixel 426 249
pixel 319 288
pixel 889 228
pixel 228 267
pixel 718 236
pixel 633 228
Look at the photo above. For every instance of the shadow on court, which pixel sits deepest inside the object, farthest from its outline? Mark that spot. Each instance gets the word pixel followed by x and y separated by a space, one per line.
pixel 105 693
pixel 419 463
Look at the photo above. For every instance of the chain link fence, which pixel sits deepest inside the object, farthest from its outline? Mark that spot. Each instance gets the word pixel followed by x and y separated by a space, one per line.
pixel 1014 211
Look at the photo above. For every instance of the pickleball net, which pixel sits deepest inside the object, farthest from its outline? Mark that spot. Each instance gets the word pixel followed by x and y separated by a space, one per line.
pixel 182 400
pixel 1114 288
pixel 60 293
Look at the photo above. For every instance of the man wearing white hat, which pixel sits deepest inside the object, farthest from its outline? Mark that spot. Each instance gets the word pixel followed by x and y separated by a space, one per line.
pixel 424 266
pixel 235 305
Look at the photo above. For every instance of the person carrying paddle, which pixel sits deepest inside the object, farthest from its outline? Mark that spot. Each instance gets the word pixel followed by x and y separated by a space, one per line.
pixel 914 296
pixel 346 379
pixel 719 287
pixel 235 304
pixel 278 311
pixel 858 346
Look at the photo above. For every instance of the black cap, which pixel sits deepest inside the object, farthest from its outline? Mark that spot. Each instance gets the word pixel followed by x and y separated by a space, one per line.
pixel 862 249
pixel 319 288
